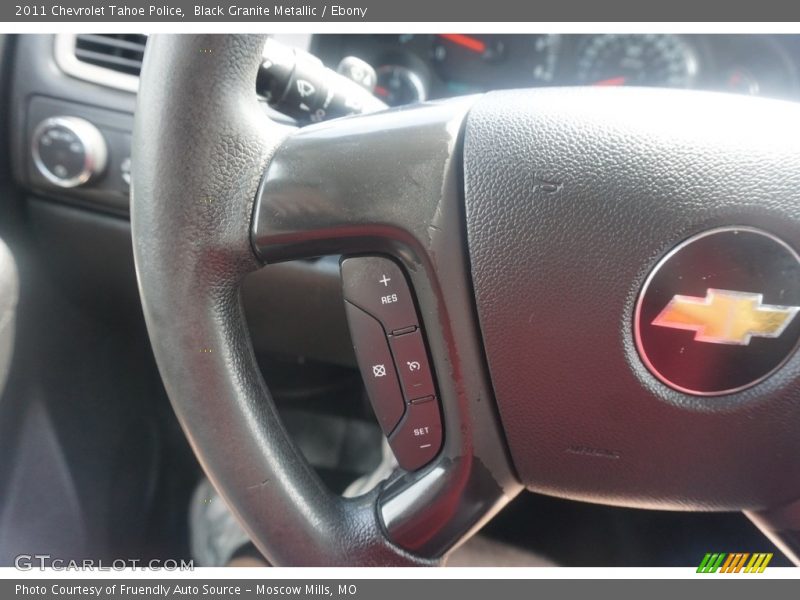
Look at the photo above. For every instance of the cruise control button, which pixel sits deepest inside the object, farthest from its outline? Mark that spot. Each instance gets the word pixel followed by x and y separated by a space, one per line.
pixel 419 436
pixel 377 367
pixel 412 364
pixel 378 286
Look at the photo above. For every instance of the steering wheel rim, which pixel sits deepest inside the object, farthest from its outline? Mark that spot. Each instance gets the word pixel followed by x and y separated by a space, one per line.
pixel 209 265
pixel 247 191
pixel 192 252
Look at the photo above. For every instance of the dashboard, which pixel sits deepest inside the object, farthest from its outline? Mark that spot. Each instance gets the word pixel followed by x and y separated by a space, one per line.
pixel 79 90
pixel 412 68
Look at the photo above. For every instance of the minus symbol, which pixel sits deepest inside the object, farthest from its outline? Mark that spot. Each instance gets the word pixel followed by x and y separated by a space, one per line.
pixel 424 446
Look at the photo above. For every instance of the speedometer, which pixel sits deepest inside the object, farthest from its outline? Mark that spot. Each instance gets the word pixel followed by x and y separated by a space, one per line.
pixel 657 60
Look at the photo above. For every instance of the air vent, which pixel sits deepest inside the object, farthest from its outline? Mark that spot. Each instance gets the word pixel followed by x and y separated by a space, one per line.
pixel 115 60
pixel 121 52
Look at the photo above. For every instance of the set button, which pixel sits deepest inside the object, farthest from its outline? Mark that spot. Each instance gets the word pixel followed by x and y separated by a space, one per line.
pixel 419 436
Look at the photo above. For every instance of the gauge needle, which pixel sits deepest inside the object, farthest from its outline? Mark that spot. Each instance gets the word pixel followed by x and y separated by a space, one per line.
pixel 465 41
pixel 611 81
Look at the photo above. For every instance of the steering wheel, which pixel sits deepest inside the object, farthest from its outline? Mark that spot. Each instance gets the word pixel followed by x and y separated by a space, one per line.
pixel 605 278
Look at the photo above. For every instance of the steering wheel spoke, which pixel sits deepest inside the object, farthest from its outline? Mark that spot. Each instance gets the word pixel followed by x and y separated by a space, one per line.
pixel 369 183
pixel 388 184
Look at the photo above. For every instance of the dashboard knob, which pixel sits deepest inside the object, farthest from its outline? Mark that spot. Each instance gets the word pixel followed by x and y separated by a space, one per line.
pixel 69 151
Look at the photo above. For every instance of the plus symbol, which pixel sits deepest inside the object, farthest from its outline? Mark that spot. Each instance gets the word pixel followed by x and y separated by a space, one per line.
pixel 385 281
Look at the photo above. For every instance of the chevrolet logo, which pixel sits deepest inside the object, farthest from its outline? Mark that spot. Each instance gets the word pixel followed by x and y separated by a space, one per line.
pixel 726 317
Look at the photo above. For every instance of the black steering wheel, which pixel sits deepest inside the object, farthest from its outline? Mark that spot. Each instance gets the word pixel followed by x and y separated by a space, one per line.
pixel 543 235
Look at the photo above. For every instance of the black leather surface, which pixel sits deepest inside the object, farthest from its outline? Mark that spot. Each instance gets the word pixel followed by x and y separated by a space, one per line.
pixel 572 196
pixel 200 146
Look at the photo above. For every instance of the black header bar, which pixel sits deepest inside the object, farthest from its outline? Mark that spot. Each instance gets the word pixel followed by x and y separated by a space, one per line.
pixel 359 11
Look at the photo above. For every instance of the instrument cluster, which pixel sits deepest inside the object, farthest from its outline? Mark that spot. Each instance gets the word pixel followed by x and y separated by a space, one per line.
pixel 412 68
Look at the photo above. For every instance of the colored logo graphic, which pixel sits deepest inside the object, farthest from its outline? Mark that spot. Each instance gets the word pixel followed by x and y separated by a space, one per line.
pixel 737 562
pixel 726 317
pixel 718 313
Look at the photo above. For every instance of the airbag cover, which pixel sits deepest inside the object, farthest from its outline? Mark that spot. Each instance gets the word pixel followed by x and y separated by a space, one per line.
pixel 572 197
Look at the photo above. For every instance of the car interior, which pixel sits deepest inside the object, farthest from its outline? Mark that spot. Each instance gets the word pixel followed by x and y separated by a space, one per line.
pixel 423 199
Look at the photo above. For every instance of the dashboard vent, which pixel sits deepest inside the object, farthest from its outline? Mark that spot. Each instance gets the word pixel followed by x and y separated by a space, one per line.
pixel 121 52
pixel 115 60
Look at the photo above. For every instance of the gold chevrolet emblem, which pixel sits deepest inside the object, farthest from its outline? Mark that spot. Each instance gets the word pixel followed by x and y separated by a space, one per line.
pixel 726 317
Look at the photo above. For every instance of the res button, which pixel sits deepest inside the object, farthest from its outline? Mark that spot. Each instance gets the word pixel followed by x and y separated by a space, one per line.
pixel 378 286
